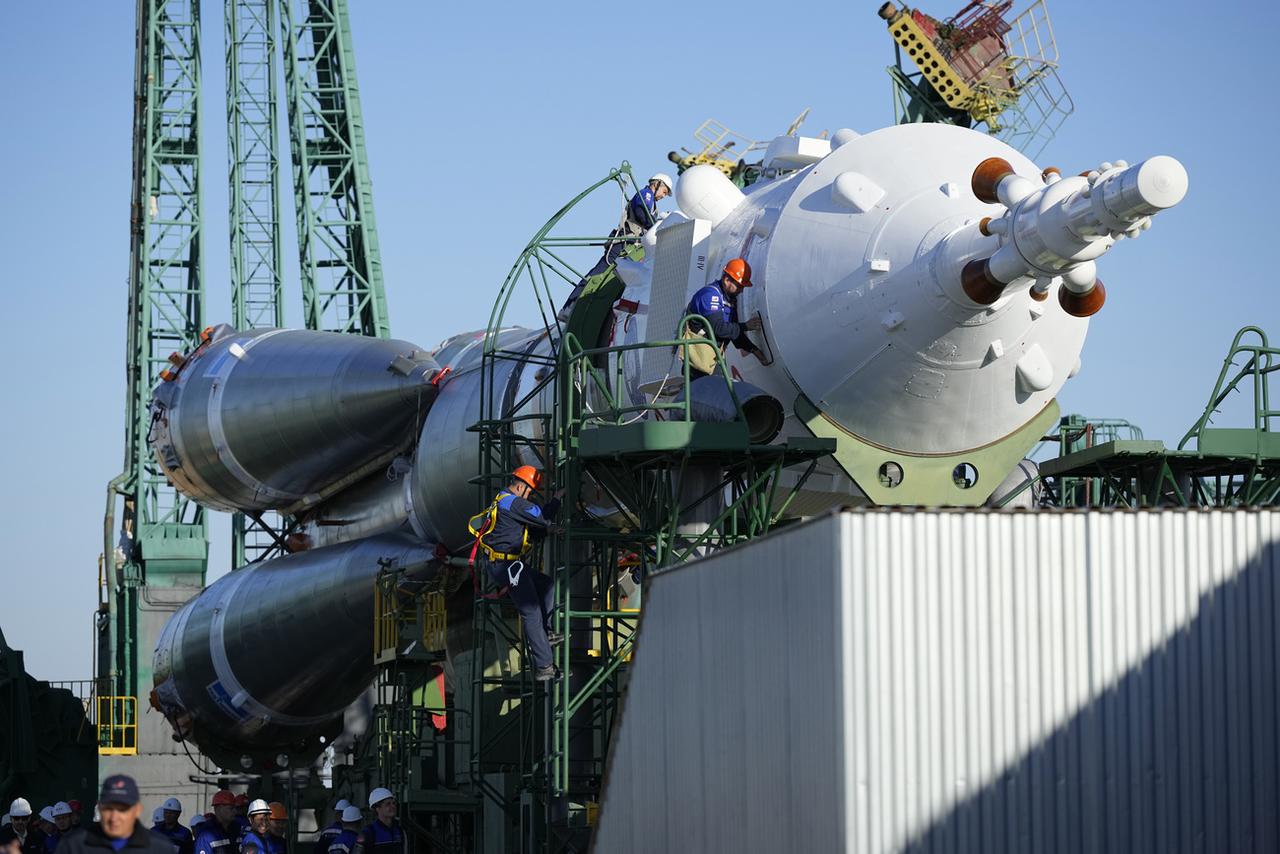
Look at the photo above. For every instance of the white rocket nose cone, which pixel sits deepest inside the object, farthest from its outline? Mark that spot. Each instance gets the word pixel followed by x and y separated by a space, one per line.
pixel 1162 181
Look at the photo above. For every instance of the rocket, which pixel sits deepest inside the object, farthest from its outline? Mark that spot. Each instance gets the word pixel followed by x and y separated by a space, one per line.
pixel 924 293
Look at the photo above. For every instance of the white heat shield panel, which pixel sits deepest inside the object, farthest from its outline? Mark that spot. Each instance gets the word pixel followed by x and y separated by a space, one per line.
pixel 679 269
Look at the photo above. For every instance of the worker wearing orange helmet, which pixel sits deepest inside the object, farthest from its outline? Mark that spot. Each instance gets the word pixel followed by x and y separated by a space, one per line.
pixel 505 533
pixel 718 303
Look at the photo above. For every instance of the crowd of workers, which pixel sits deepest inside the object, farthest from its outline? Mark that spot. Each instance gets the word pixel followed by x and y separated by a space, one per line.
pixel 235 825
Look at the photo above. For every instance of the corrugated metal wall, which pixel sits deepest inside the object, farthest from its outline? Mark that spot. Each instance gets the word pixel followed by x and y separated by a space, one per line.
pixel 960 682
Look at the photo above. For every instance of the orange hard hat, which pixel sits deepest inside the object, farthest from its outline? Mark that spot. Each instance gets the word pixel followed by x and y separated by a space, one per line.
pixel 528 475
pixel 278 812
pixel 223 798
pixel 740 271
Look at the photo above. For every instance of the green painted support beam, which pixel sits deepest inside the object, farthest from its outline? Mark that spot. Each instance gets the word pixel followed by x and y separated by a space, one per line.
pixel 165 315
pixel 342 288
pixel 257 265
pixel 254 163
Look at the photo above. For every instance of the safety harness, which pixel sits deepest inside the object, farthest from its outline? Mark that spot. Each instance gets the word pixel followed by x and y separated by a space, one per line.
pixel 483 523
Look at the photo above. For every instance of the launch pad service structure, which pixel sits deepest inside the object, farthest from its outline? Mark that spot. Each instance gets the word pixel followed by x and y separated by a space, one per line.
pixel 923 291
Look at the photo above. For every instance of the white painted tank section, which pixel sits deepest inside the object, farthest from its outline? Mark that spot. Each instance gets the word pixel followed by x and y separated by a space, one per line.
pixel 959 681
pixel 856 263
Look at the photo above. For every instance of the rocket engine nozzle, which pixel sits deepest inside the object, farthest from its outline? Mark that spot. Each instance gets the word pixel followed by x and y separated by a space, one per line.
pixel 1055 228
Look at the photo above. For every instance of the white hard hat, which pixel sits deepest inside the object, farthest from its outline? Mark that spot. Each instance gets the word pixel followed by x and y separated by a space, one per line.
pixel 378 795
pixel 172 804
pixel 158 815
pixel 61 808
pixel 198 819
pixel 258 805
pixel 666 179
pixel 19 808
pixel 47 814
pixel 341 805
pixel 351 812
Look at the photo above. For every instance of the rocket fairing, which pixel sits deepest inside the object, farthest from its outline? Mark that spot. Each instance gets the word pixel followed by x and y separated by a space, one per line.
pixel 279 419
pixel 266 659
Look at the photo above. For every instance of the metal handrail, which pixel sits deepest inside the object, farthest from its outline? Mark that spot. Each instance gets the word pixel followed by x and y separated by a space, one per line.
pixel 1262 361
pixel 581 368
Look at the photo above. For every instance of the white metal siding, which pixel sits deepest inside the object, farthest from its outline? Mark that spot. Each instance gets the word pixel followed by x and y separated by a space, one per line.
pixel 960 681
pixel 679 269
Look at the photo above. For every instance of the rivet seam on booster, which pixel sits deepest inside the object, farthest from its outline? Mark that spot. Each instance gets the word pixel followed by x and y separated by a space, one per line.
pixel 220 371
pixel 222 666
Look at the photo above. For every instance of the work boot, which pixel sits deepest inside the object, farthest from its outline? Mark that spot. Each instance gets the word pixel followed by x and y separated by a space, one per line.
pixel 545 674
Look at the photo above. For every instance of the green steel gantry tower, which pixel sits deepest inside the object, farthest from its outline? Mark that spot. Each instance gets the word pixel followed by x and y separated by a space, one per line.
pixel 162 537
pixel 153 536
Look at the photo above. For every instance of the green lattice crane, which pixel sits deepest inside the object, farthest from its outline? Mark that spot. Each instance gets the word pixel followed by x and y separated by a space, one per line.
pixel 162 537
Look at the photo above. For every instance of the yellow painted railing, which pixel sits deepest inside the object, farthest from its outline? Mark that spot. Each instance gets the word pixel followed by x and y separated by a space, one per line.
pixel 117 726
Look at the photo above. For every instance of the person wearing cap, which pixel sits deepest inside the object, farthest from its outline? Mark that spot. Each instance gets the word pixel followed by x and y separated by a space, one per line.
pixel 166 825
pixel 383 835
pixel 254 840
pixel 505 533
pixel 21 830
pixel 348 831
pixel 220 834
pixel 118 827
pixel 718 303
pixel 331 831
pixel 278 828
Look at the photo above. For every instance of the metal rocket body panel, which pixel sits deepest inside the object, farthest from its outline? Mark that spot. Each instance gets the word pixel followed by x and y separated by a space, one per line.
pixel 275 419
pixel 230 671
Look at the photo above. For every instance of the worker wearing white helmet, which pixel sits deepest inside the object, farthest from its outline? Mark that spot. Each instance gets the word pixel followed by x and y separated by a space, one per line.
pixel 640 215
pixel 383 835
pixel 167 826
pixel 47 827
pixel 254 840
pixel 19 828
pixel 349 837
pixel 331 831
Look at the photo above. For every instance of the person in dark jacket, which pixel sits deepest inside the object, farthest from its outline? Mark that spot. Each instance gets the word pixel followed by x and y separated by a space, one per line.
pixel 718 303
pixel 169 828
pixel 119 828
pixel 254 840
pixel 221 834
pixel 22 829
pixel 348 833
pixel 384 835
pixel 330 833
pixel 513 526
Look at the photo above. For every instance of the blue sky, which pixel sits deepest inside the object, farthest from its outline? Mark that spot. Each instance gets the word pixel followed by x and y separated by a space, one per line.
pixel 483 119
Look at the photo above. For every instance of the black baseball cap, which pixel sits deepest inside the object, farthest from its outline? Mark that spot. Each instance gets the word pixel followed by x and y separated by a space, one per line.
pixel 119 789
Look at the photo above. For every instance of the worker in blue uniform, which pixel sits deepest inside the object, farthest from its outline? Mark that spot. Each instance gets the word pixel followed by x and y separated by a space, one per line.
pixel 344 842
pixel 168 826
pixel 222 834
pixel 383 835
pixel 640 215
pixel 255 839
pixel 331 831
pixel 505 533
pixel 718 303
